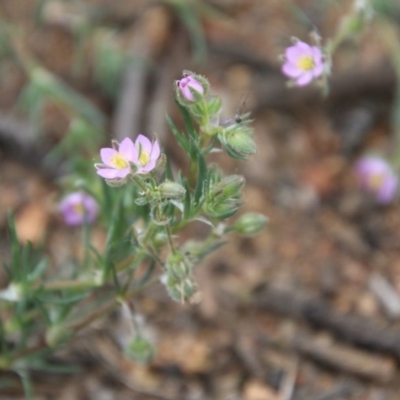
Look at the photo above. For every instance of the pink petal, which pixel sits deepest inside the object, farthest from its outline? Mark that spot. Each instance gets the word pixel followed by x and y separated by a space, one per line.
pixel 316 53
pixel 318 69
pixel 305 48
pixel 127 148
pixel 148 167
pixel 388 190
pixel 108 173
pixel 106 154
pixel 122 173
pixel 194 84
pixel 155 152
pixel 144 142
pixel 291 70
pixel 292 53
pixel 305 79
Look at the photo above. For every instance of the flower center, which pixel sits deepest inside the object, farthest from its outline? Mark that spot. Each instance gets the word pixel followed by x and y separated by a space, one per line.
pixel 78 208
pixel 306 63
pixel 144 158
pixel 376 181
pixel 119 161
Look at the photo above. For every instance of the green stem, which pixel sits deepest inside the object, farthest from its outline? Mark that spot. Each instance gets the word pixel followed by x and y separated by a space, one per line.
pixel 170 241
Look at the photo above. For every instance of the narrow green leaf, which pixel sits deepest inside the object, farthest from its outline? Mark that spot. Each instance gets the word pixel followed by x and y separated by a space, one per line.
pixel 187 120
pixel 66 300
pixel 210 249
pixel 168 172
pixel 26 384
pixel 201 178
pixel 38 270
pixel 115 278
pixel 183 142
pixel 15 249
pixel 147 274
pixel 187 201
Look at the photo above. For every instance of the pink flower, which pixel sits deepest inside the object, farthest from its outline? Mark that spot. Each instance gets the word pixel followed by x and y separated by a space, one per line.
pixel 78 208
pixel 146 154
pixel 303 63
pixel 188 84
pixel 117 163
pixel 376 176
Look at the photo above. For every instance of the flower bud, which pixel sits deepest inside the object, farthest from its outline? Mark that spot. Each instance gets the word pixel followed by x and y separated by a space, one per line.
pixel 160 239
pixel 182 290
pixel 224 209
pixel 191 88
pixel 140 350
pixel 230 187
pixel 178 265
pixel 250 224
pixel 172 190
pixel 238 143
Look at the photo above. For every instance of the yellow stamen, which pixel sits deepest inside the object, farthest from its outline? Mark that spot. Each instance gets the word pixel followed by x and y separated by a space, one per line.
pixel 376 181
pixel 144 158
pixel 118 161
pixel 79 209
pixel 306 63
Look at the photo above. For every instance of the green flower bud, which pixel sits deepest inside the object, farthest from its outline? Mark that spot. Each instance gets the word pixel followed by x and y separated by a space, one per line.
pixel 182 290
pixel 230 187
pixel 250 224
pixel 178 265
pixel 140 350
pixel 238 143
pixel 160 239
pixel 172 190
pixel 224 209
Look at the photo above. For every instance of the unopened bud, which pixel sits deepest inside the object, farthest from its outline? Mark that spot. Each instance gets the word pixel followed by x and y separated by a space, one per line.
pixel 178 265
pixel 223 209
pixel 140 350
pixel 182 290
pixel 238 143
pixel 160 239
pixel 191 88
pixel 230 187
pixel 172 190
pixel 250 224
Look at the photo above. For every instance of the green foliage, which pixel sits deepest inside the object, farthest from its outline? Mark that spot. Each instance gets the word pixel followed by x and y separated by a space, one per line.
pixel 142 215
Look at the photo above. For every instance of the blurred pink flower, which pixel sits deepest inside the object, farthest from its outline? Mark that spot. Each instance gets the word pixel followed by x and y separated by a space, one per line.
pixel 117 163
pixel 303 63
pixel 188 83
pixel 78 208
pixel 146 154
pixel 377 176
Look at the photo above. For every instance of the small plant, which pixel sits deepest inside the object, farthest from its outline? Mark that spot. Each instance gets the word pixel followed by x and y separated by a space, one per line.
pixel 144 208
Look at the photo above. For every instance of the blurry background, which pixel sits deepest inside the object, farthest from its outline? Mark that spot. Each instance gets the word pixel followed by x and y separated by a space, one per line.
pixel 309 308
